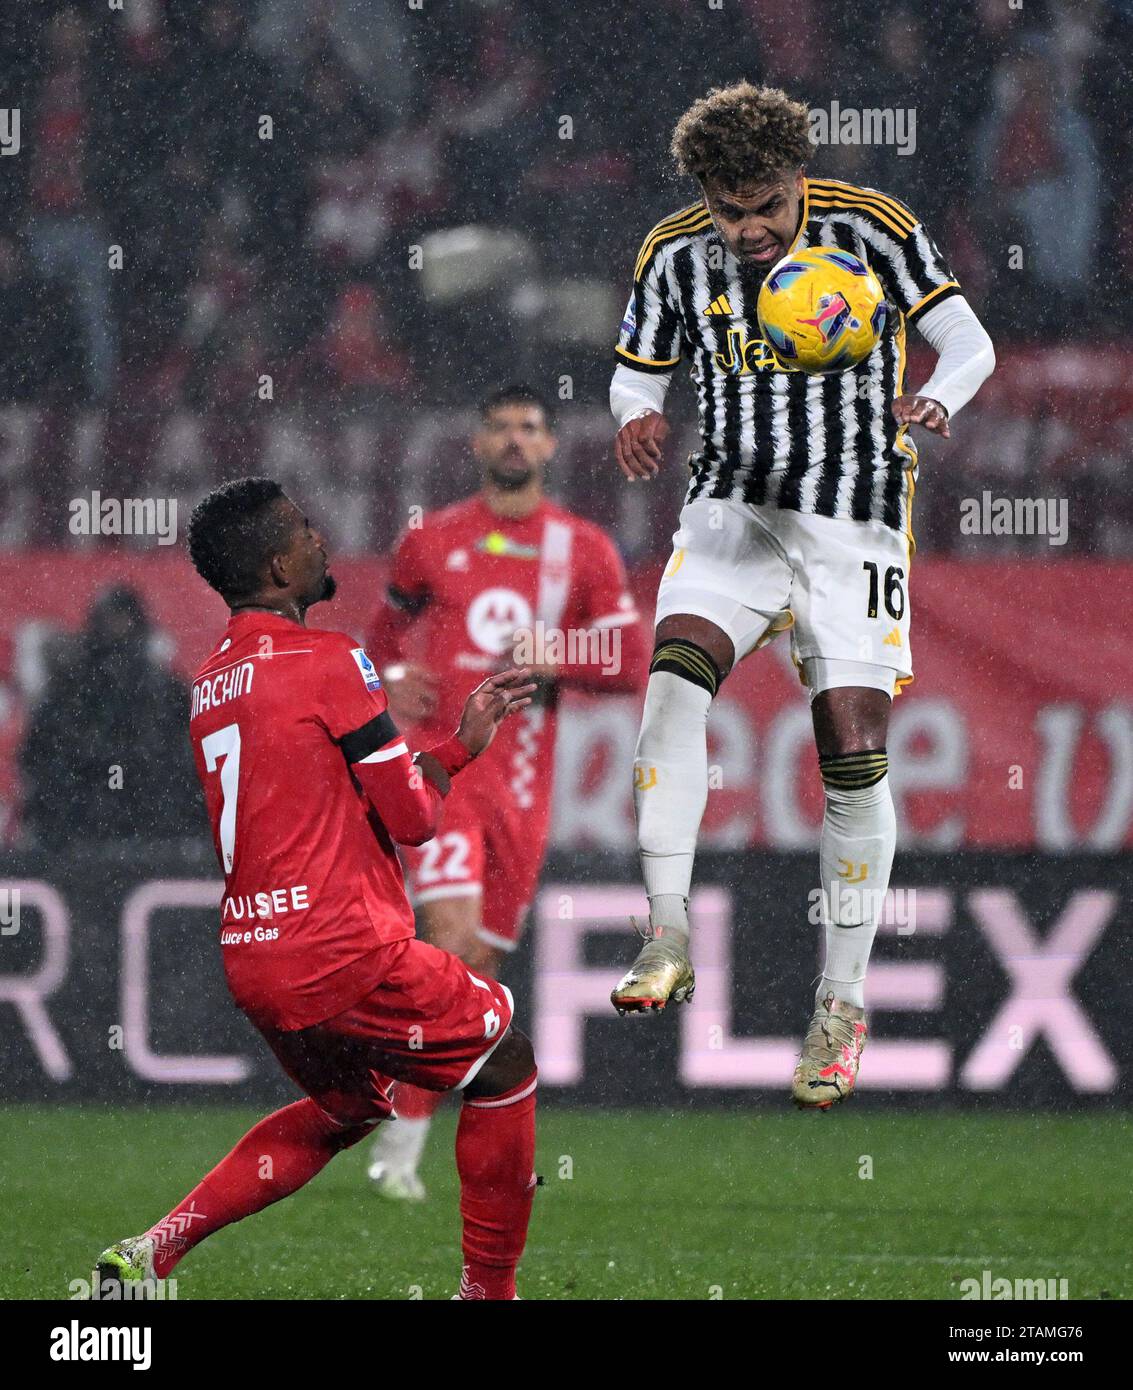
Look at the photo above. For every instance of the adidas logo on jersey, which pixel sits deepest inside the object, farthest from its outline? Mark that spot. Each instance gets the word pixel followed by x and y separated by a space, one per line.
pixel 719 305
pixel 894 638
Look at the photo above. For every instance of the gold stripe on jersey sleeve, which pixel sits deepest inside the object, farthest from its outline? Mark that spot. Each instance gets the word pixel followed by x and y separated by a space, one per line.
pixel 667 223
pixel 898 685
pixel 932 294
pixel 679 216
pixel 646 361
pixel 907 447
pixel 909 519
pixel 840 204
pixel 869 197
pixel 693 221
pixel 690 219
pixel 857 190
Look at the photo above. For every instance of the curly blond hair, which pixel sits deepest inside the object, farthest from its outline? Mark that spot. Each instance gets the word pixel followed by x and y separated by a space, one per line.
pixel 741 135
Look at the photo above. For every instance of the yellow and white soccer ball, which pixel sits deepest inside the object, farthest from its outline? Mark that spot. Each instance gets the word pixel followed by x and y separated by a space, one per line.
pixel 821 310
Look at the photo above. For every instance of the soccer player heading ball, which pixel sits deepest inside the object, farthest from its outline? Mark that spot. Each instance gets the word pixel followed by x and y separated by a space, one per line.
pixel 797 516
pixel 309 786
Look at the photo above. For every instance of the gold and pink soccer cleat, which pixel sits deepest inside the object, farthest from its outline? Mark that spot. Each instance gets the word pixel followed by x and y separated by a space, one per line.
pixel 662 971
pixel 827 1069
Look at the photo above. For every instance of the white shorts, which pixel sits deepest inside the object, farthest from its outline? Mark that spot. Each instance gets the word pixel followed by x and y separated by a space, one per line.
pixel 841 587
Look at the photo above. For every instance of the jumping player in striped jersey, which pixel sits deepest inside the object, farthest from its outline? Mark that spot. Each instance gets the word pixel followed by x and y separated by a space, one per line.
pixel 797 516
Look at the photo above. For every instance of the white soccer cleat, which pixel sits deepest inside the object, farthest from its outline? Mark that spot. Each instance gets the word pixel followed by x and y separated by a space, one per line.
pixel 394 1159
pixel 827 1069
pixel 129 1261
pixel 398 1184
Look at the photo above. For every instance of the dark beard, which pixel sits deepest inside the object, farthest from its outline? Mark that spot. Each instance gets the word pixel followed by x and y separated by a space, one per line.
pixel 327 591
pixel 511 482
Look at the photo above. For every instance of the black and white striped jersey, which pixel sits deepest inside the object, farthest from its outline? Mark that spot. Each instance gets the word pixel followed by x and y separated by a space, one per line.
pixel 769 435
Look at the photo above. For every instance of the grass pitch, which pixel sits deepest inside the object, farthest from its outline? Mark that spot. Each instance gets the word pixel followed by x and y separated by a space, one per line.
pixel 759 1203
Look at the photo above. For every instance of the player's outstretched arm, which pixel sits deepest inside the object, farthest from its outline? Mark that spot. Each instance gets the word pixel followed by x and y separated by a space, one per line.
pixel 490 703
pixel 407 792
pixel 406 796
pixel 966 359
pixel 410 689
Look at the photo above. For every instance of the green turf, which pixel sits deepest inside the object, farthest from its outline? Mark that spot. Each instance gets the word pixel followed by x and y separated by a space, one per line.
pixel 758 1204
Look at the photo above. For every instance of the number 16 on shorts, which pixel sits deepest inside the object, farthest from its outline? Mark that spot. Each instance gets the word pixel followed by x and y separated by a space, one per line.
pixel 883 594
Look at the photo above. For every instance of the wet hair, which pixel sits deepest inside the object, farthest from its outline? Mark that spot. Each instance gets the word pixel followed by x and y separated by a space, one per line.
pixel 517 394
pixel 233 533
pixel 741 135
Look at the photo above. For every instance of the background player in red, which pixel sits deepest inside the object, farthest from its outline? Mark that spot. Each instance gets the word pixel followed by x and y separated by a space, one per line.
pixel 505 574
pixel 308 785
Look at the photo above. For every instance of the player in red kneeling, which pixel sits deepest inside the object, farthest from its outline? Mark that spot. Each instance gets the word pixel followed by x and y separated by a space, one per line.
pixel 504 575
pixel 309 785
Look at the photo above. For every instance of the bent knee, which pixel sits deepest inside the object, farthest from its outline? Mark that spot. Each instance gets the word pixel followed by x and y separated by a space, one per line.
pixel 850 719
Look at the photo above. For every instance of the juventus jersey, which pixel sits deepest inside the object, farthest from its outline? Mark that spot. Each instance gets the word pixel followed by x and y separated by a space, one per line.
pixel 770 435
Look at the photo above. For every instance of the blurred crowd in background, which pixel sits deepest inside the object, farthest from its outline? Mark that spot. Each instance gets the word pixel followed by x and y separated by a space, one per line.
pixel 452 196
pixel 341 221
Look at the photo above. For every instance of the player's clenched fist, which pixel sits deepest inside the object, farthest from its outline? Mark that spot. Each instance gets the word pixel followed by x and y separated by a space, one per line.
pixel 637 445
pixel 498 697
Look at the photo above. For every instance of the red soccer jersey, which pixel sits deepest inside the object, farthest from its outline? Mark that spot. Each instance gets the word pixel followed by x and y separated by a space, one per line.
pixel 464 581
pixel 288 725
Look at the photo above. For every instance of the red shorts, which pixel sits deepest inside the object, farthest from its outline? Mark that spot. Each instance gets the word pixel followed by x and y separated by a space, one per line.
pixel 493 854
pixel 430 1022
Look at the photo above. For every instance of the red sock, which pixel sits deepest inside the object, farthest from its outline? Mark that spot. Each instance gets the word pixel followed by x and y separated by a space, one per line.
pixel 273 1159
pixel 495 1156
pixel 413 1103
